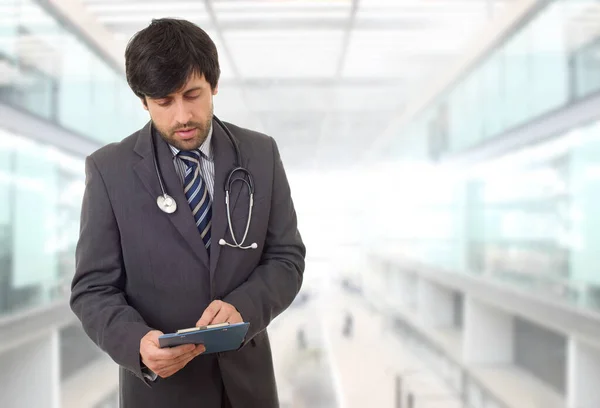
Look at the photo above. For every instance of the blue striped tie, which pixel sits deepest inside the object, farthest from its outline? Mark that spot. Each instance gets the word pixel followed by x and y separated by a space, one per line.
pixel 197 195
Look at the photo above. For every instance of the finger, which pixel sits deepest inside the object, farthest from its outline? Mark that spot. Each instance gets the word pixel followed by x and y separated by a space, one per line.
pixel 169 371
pixel 235 318
pixel 168 364
pixel 210 312
pixel 171 368
pixel 222 317
pixel 162 365
pixel 159 365
pixel 170 353
pixel 185 358
pixel 153 336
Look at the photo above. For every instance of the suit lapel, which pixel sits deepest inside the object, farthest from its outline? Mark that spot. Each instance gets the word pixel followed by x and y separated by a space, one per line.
pixel 182 218
pixel 224 159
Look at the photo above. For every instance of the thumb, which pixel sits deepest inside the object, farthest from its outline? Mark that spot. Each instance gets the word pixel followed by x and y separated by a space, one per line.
pixel 209 313
pixel 153 336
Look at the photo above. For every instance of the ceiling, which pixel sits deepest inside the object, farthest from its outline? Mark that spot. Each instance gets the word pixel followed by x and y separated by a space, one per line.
pixel 322 77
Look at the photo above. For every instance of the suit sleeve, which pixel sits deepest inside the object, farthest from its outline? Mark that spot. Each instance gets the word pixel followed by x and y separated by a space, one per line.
pixel 97 289
pixel 274 284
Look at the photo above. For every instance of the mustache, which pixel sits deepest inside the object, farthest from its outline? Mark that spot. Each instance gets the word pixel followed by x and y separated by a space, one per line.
pixel 189 125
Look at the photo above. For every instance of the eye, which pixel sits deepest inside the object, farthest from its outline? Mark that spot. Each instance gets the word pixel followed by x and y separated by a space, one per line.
pixel 193 96
pixel 163 102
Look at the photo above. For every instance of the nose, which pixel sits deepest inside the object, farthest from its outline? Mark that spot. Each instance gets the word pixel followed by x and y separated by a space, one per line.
pixel 183 113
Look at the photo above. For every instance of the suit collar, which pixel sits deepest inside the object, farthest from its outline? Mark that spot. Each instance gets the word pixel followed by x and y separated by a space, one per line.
pixel 143 145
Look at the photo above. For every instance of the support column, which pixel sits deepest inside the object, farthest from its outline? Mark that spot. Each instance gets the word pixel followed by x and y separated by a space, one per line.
pixel 488 334
pixel 403 288
pixel 435 304
pixel 583 375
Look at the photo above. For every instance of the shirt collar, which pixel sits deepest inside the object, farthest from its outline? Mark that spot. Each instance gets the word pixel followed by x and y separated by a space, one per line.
pixel 205 148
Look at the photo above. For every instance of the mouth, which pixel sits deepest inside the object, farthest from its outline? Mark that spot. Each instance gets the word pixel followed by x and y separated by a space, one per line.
pixel 186 134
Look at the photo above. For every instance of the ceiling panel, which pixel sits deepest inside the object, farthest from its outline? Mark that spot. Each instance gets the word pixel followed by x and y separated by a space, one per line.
pixel 399 53
pixel 369 98
pixel 348 128
pixel 248 15
pixel 285 54
pixel 321 76
pixel 286 5
pixel 127 7
pixel 128 17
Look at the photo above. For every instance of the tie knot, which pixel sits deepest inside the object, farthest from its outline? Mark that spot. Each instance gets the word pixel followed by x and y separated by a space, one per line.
pixel 190 157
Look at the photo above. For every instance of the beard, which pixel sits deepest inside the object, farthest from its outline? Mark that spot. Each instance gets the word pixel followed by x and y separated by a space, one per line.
pixel 170 136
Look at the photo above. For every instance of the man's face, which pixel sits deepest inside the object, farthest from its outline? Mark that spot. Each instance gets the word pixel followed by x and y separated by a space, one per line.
pixel 183 118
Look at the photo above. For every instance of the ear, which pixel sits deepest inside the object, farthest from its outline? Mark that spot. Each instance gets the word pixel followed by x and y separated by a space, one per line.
pixel 144 103
pixel 216 90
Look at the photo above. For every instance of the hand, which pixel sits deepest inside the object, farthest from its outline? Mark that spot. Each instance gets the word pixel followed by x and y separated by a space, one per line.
pixel 166 361
pixel 219 312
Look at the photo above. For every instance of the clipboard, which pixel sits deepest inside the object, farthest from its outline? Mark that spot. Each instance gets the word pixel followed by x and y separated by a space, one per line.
pixel 216 338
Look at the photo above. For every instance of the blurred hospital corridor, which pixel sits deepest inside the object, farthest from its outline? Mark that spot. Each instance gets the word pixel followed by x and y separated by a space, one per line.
pixel 443 158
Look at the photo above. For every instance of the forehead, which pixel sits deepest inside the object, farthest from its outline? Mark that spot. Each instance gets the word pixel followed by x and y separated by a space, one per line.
pixel 195 80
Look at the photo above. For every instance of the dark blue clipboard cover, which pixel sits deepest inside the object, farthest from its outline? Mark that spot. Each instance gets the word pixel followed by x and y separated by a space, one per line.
pixel 216 340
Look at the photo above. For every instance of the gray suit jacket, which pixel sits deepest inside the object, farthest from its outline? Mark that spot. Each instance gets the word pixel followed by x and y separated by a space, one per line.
pixel 140 269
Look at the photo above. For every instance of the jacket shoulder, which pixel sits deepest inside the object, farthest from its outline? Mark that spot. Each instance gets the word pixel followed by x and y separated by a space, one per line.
pixel 251 140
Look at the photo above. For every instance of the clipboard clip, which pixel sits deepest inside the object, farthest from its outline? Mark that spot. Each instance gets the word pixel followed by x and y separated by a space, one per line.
pixel 210 326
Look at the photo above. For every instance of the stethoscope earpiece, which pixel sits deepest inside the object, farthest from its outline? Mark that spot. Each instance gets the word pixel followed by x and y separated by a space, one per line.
pixel 167 204
pixel 222 242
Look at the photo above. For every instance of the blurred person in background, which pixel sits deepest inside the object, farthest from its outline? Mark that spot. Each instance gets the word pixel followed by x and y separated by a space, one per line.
pixel 142 272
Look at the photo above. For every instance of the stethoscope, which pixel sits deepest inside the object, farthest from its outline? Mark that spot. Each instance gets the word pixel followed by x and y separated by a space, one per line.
pixel 167 204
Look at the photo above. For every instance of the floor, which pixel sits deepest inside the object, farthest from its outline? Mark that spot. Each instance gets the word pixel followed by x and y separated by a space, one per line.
pixel 334 351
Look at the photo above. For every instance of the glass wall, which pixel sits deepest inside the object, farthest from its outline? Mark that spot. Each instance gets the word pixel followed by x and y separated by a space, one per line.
pixel 551 61
pixel 529 219
pixel 586 64
pixel 46 69
pixel 40 199
pixel 520 221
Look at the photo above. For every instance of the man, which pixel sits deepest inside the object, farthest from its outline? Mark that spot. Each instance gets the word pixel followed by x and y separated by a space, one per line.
pixel 142 272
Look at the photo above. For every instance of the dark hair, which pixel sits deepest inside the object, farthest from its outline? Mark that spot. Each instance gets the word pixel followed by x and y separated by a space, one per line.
pixel 160 58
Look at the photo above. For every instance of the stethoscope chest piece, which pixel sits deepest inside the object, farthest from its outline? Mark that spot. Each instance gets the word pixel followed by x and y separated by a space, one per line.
pixel 166 203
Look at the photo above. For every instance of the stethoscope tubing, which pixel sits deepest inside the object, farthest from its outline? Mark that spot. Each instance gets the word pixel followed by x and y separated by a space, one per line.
pixel 167 204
